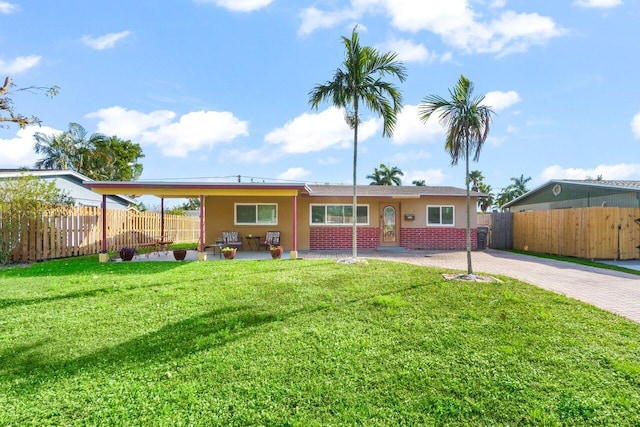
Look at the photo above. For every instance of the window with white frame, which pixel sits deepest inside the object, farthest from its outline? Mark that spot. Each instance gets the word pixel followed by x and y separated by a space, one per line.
pixel 256 214
pixel 440 215
pixel 338 214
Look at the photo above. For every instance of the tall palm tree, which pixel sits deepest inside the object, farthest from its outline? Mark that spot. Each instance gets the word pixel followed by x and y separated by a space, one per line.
pixel 419 182
pixel 467 121
pixel 360 81
pixel 386 175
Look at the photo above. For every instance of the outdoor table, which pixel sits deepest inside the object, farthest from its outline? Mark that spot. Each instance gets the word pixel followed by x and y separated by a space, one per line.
pixel 253 242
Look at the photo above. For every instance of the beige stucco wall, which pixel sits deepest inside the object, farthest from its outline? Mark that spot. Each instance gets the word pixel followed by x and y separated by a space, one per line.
pixel 219 214
pixel 418 207
pixel 220 211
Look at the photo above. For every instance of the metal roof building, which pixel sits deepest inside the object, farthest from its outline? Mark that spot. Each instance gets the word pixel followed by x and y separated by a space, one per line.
pixel 568 193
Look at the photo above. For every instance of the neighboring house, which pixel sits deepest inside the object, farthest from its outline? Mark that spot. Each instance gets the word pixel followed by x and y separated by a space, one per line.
pixel 71 183
pixel 567 193
pixel 318 217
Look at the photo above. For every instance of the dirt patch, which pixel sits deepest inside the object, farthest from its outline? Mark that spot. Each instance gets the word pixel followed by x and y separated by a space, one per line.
pixel 470 277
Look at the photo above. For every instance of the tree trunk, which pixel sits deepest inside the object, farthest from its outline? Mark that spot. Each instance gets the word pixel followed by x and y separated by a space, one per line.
pixel 354 243
pixel 468 234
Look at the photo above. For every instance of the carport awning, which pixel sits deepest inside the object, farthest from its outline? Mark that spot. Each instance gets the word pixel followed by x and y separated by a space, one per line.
pixel 191 189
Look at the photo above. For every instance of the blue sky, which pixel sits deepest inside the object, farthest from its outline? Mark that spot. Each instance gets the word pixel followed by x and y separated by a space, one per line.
pixel 213 89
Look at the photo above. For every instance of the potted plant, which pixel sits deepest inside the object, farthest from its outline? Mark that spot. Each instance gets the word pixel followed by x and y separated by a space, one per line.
pixel 179 254
pixel 229 253
pixel 127 253
pixel 276 251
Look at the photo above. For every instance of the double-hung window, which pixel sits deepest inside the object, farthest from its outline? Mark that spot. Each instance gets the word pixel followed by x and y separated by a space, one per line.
pixel 256 214
pixel 440 215
pixel 338 214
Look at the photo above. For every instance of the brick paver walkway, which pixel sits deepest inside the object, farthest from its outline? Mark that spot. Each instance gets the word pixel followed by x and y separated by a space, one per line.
pixel 610 290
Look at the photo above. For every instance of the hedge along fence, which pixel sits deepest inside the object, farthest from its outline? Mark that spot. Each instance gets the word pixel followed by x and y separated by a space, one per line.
pixel 590 233
pixel 77 230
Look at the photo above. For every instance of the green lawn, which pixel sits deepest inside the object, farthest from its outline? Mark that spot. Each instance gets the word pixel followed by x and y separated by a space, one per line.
pixel 303 342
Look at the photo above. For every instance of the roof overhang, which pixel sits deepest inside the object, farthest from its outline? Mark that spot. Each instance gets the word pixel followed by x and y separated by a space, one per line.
pixel 184 189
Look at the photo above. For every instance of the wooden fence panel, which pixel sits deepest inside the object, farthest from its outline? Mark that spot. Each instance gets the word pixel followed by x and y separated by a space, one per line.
pixel 65 232
pixel 502 229
pixel 590 233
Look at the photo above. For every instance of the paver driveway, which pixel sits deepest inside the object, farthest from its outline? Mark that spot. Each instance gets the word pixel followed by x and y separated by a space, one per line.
pixel 610 290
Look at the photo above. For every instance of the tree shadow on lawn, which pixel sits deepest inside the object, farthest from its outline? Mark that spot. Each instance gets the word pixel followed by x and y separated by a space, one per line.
pixel 105 290
pixel 173 341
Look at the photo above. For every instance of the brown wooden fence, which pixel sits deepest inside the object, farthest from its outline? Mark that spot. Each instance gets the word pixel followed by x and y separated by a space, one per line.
pixel 591 233
pixel 74 231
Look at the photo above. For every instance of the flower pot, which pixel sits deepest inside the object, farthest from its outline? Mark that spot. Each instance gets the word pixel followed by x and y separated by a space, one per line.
pixel 229 253
pixel 179 254
pixel 276 253
pixel 127 253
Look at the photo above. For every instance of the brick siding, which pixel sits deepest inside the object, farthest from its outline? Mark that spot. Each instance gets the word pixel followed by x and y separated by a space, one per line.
pixel 438 238
pixel 326 238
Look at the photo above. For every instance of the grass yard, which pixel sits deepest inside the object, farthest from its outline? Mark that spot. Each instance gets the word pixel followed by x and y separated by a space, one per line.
pixel 303 342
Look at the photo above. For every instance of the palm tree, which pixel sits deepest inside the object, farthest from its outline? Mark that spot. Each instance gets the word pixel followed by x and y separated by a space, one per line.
pixel 476 178
pixel 99 157
pixel 360 81
pixel 419 182
pixel 69 150
pixel 386 176
pixel 486 202
pixel 376 177
pixel 520 185
pixel 467 121
pixel 57 151
pixel 505 196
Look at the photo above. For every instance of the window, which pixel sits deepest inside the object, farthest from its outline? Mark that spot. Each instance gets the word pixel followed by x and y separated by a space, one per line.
pixel 440 215
pixel 338 214
pixel 261 214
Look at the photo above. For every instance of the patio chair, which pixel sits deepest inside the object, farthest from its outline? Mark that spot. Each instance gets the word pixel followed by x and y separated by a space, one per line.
pixel 272 238
pixel 231 239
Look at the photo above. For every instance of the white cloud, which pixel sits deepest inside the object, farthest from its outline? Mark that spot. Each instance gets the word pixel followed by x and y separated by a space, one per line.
pixel 409 156
pixel 7 8
pixel 107 41
pixel 598 3
pixel 315 19
pixel 20 64
pixel 454 21
pixel 18 151
pixel 191 132
pixel 261 155
pixel 410 129
pixel 294 174
pixel 129 124
pixel 238 5
pixel 501 100
pixel 316 132
pixel 408 51
pixel 635 126
pixel 514 32
pixel 608 172
pixel 327 161
pixel 496 141
pixel 430 176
